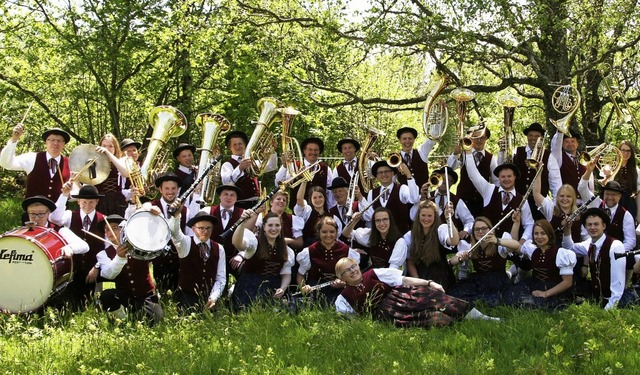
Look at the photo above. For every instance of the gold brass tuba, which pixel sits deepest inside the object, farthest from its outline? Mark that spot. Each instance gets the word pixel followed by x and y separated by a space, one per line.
pixel 167 122
pixel 212 125
pixel 290 146
pixel 565 100
pixel 262 143
pixel 436 114
pixel 509 103
pixel 462 95
pixel 366 179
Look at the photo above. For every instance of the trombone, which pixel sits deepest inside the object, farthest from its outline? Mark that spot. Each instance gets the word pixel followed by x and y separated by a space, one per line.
pixel 619 102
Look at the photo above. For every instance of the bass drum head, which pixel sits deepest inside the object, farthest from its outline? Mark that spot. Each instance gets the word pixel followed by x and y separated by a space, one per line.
pixel 26 275
pixel 148 234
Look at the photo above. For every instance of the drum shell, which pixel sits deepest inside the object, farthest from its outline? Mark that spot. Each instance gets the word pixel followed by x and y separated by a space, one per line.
pixel 148 235
pixel 32 268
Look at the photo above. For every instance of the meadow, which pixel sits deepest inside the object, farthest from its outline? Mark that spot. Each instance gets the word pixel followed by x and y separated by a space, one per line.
pixel 583 339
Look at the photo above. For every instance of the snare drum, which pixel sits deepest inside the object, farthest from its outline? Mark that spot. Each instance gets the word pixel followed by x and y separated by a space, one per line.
pixel 148 234
pixel 32 268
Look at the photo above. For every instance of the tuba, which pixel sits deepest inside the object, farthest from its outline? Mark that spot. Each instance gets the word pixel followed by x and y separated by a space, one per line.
pixel 565 100
pixel 167 122
pixel 212 125
pixel 436 114
pixel 509 103
pixel 262 143
pixel 462 95
pixel 290 146
pixel 366 180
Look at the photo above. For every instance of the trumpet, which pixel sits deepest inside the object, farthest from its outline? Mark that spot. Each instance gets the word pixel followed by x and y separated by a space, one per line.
pixel 435 180
pixel 394 159
pixel 462 95
pixel 565 100
pixel 535 161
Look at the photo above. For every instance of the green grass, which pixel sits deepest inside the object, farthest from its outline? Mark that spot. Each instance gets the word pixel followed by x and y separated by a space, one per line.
pixel 582 339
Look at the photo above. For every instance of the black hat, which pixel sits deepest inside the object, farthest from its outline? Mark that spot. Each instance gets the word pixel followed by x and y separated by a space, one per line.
pixel 169 176
pixel 56 131
pixel 315 140
pixel 381 163
pixel 129 142
pixel 236 134
pixel 406 129
pixel 572 135
pixel 614 186
pixel 39 199
pixel 88 192
pixel 224 187
pixel 534 127
pixel 113 218
pixel 338 182
pixel 183 146
pixel 595 211
pixel 202 216
pixel 355 143
pixel 513 167
pixel 450 172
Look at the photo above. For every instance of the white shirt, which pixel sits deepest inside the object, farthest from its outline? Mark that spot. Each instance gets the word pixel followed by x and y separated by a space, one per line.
pixel 455 162
pixel 231 175
pixel 389 276
pixel 408 193
pixel 443 237
pixel 618 266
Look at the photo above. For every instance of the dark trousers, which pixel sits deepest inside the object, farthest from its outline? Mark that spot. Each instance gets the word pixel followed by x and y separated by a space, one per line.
pixel 113 299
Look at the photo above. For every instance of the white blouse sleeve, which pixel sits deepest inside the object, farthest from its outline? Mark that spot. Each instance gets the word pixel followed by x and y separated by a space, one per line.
pixel 398 255
pixel 362 235
pixel 342 306
pixel 443 236
pixel 528 248
pixel 221 275
pixel 291 260
pixel 298 224
pixel 565 260
pixel 302 211
pixel 352 254
pixel 547 208
pixel 389 276
pixel 304 261
pixel 407 239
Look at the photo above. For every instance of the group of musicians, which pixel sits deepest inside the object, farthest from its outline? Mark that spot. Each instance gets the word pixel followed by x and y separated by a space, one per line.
pixel 411 223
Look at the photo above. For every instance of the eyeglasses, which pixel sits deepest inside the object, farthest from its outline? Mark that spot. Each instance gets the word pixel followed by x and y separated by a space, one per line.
pixel 55 140
pixel 203 229
pixel 481 229
pixel 383 220
pixel 37 214
pixel 625 151
pixel 351 268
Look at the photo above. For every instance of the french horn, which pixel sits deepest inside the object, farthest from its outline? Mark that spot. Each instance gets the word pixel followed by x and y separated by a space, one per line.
pixel 565 100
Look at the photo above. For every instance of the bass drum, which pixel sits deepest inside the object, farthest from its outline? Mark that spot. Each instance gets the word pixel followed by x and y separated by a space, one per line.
pixel 32 268
pixel 148 235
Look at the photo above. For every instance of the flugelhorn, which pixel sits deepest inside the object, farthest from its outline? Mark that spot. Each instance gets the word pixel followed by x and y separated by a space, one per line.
pixel 565 100
pixel 263 143
pixel 509 103
pixel 436 114
pixel 462 96
pixel 167 123
pixel 212 125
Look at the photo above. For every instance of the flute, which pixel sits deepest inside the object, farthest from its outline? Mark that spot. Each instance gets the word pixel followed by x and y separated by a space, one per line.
pixel 174 206
pixel 373 201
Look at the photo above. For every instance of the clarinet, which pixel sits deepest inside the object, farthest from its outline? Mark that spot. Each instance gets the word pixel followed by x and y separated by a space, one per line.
pixel 576 214
pixel 235 226
pixel 172 210
pixel 626 253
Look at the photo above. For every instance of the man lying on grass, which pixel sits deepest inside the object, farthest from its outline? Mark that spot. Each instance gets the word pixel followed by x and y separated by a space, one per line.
pixel 407 301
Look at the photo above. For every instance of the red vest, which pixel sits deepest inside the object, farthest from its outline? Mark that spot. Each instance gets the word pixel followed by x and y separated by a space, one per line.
pixel 544 265
pixel 249 186
pixel 601 270
pixel 494 212
pixel 40 182
pixel 229 250
pixel 570 172
pixel 615 228
pixel 84 262
pixel 467 191
pixel 134 278
pixel 399 210
pixel 196 275
pixel 485 263
pixel 323 261
pixel 344 173
pixel 265 267
pixel 527 174
pixel 369 293
pixel 418 168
